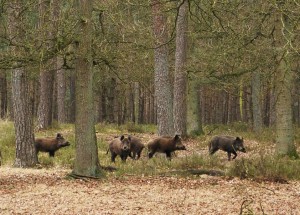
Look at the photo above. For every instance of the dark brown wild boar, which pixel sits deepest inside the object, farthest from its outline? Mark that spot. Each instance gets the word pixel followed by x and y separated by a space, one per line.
pixel 136 148
pixel 166 145
pixel 50 145
pixel 119 146
pixel 228 144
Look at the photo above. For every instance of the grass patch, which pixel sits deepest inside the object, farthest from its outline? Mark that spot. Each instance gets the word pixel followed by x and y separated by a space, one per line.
pixel 160 165
pixel 7 142
pixel 269 167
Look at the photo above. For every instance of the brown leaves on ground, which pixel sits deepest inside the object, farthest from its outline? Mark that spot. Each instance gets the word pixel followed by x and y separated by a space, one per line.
pixel 41 191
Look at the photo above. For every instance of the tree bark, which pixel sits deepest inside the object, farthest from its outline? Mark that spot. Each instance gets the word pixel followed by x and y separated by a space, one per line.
pixel 180 82
pixel 256 98
pixel 86 159
pixel 23 120
pixel 47 24
pixel 3 95
pixel 163 91
pixel 284 124
pixel 61 93
pixel 284 79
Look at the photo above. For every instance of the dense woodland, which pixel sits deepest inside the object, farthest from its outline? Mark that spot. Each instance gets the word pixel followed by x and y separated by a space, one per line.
pixel 178 64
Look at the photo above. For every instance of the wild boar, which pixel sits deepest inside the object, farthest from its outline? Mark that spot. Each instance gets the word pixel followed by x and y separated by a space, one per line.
pixel 165 144
pixel 228 144
pixel 50 145
pixel 136 148
pixel 119 146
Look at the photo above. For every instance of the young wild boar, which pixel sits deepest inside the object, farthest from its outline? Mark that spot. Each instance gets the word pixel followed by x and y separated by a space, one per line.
pixel 119 146
pixel 136 148
pixel 228 144
pixel 166 145
pixel 50 145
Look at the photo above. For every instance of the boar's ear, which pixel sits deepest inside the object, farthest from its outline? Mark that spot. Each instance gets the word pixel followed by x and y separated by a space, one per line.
pixel 129 138
pixel 58 135
pixel 237 138
pixel 177 137
pixel 122 137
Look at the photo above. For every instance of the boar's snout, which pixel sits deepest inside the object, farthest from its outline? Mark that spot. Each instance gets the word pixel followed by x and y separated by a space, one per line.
pixel 66 143
pixel 242 149
pixel 126 148
pixel 182 147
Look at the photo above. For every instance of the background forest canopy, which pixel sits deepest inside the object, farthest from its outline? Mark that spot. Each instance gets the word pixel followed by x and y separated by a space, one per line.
pixel 237 51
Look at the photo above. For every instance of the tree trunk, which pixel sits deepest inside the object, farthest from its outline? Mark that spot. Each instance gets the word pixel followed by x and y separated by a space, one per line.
pixel 23 120
pixel 61 93
pixel 86 158
pixel 256 98
pixel 72 102
pixel 284 123
pixel 44 119
pixel 111 93
pixel 180 82
pixel 48 13
pixel 3 95
pixel 163 91
pixel 136 102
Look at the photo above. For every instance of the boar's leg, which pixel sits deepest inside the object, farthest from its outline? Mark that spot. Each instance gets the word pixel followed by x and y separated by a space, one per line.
pixel 212 150
pixel 133 155
pixel 37 152
pixel 229 155
pixel 130 155
pixel 51 153
pixel 139 154
pixel 150 155
pixel 123 157
pixel 168 155
pixel 235 154
pixel 113 157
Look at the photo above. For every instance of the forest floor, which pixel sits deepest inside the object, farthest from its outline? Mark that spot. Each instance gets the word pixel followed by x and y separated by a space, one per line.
pixel 49 191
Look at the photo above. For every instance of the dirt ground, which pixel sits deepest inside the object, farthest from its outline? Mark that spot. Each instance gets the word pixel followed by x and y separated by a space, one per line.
pixel 47 191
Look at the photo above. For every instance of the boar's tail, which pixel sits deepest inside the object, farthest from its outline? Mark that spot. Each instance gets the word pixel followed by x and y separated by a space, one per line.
pixel 107 151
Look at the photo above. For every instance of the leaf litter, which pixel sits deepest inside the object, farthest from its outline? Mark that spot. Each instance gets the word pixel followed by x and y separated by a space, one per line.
pixel 47 191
